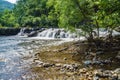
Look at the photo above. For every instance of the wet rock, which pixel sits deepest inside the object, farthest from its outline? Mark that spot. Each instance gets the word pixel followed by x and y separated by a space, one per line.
pixel 65 58
pixel 29 32
pixel 114 77
pixel 106 74
pixel 63 49
pixel 95 78
pixel 118 55
pixel 76 66
pixel 32 34
pixel 69 73
pixel 58 65
pixel 84 70
pixel 117 70
pixel 99 52
pixel 67 66
pixel 90 78
pixel 71 67
pixel 39 62
pixel 36 59
pixel 96 62
pixel 87 62
pixel 118 76
pixel 92 54
pixel 46 65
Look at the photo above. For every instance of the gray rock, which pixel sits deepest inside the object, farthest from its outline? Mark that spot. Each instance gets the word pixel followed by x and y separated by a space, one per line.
pixel 32 34
pixel 118 55
pixel 46 65
pixel 99 52
pixel 58 65
pixel 114 77
pixel 117 70
pixel 87 62
pixel 95 78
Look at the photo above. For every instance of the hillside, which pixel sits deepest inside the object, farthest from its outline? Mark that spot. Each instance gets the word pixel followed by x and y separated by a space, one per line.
pixel 5 5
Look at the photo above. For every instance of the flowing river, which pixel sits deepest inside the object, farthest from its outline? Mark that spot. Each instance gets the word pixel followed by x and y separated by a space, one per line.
pixel 11 64
pixel 12 50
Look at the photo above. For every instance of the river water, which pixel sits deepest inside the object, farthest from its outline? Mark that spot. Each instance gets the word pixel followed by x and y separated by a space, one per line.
pixel 12 51
pixel 10 57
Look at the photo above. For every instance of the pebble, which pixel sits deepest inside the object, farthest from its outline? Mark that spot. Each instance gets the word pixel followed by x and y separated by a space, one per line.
pixel 46 65
pixel 58 65
pixel 84 70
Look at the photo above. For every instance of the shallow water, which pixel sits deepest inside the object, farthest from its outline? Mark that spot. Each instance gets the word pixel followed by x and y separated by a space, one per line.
pixel 16 55
pixel 10 58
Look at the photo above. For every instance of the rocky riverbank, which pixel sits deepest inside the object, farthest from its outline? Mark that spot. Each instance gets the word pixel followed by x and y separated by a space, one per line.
pixel 77 61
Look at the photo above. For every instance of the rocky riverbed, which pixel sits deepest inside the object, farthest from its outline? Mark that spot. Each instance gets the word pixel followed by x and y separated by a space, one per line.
pixel 74 61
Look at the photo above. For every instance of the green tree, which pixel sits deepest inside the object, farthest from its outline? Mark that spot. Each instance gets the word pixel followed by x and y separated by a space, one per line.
pixel 7 19
pixel 87 15
pixel 31 13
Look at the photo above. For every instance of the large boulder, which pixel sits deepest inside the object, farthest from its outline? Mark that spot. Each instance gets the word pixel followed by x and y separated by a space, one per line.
pixel 32 34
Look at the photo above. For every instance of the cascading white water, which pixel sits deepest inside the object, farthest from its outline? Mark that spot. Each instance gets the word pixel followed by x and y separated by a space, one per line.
pixel 50 33
pixel 21 32
pixel 56 33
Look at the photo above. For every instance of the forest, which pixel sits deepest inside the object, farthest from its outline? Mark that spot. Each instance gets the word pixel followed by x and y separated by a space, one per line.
pixel 86 15
pixel 32 55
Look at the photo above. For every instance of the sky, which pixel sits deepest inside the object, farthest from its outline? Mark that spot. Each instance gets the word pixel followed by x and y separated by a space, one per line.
pixel 12 1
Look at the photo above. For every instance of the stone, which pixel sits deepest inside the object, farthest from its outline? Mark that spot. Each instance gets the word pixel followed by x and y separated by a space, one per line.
pixel 95 78
pixel 46 65
pixel 65 58
pixel 76 66
pixel 58 65
pixel 69 73
pixel 117 70
pixel 87 62
pixel 32 34
pixel 67 66
pixel 114 77
pixel 92 54
pixel 118 55
pixel 99 52
pixel 84 70
pixel 118 76
pixel 90 78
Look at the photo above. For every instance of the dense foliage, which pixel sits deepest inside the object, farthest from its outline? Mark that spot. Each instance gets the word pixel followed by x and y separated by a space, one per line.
pixel 33 13
pixel 7 18
pixel 87 15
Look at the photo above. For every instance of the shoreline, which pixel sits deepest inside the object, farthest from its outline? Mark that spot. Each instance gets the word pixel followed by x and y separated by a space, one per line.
pixel 62 60
pixel 67 61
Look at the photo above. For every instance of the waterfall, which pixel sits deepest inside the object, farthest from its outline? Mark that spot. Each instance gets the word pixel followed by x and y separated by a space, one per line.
pixel 56 33
pixel 51 33
pixel 21 32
